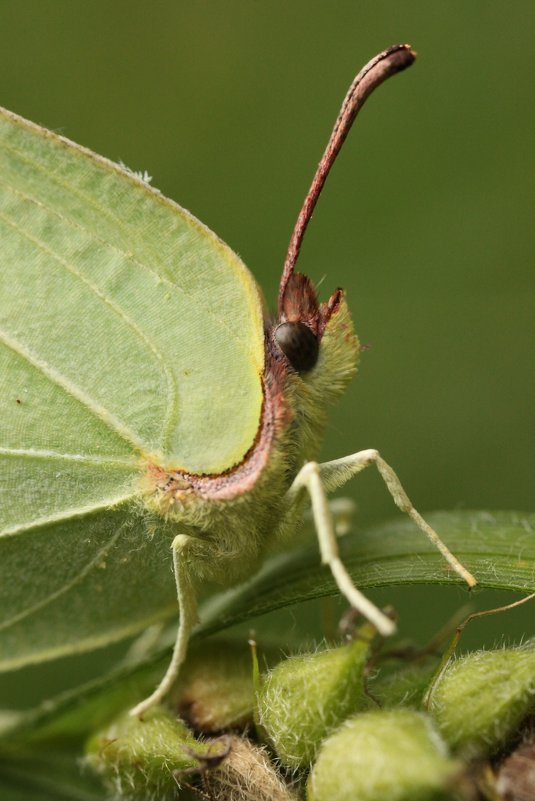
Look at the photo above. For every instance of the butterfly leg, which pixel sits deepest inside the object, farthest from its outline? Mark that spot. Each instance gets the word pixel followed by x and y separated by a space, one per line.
pixel 187 602
pixel 318 479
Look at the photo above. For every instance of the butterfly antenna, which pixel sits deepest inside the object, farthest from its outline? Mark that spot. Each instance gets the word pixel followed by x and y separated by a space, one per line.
pixel 387 63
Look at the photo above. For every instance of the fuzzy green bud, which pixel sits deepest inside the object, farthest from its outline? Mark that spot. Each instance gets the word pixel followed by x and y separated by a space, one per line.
pixel 381 755
pixel 482 698
pixel 141 760
pixel 215 689
pixel 304 698
pixel 405 687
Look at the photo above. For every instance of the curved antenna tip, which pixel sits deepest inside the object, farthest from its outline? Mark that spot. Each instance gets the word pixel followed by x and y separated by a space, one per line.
pixel 391 61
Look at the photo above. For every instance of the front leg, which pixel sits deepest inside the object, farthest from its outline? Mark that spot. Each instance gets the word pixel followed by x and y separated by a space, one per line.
pixel 187 602
pixel 318 479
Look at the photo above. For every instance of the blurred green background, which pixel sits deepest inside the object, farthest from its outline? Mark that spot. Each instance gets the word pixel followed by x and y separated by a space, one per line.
pixel 427 219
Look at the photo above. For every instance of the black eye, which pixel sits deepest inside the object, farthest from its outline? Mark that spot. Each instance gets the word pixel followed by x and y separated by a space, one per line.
pixel 299 344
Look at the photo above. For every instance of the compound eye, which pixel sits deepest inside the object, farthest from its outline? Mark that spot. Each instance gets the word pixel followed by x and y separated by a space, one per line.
pixel 299 344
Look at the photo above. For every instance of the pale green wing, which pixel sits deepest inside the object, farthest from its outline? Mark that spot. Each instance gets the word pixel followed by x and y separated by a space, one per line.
pixel 128 331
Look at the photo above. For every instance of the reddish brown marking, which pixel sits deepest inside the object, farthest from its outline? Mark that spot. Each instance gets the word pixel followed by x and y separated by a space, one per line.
pixel 275 417
pixel 300 304
pixel 328 309
pixel 240 478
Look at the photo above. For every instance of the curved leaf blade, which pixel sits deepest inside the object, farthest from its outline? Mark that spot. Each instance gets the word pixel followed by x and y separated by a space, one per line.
pixel 497 547
pixel 49 776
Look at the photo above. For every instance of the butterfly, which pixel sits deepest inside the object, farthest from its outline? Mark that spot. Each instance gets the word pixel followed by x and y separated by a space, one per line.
pixel 151 406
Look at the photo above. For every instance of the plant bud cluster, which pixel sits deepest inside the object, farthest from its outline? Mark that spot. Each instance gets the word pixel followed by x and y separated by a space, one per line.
pixel 311 728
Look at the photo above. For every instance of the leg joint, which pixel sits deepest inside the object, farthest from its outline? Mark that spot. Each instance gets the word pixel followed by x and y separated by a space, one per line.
pixel 180 543
pixel 370 455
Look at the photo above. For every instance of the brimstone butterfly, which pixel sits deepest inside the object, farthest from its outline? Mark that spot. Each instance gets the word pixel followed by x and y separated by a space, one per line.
pixel 150 405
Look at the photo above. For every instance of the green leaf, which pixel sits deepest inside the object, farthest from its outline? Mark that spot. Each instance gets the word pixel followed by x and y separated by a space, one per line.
pixel 117 310
pixel 497 547
pixel 68 718
pixel 48 776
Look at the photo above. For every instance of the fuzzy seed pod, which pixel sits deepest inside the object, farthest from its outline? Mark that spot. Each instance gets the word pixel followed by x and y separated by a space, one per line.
pixel 404 687
pixel 215 689
pixel 246 774
pixel 383 756
pixel 482 698
pixel 515 776
pixel 143 760
pixel 303 699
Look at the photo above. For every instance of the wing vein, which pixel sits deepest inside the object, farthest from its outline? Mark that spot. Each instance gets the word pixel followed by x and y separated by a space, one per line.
pixel 169 377
pixel 30 610
pixel 173 285
pixel 33 453
pixel 68 514
pixel 72 389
